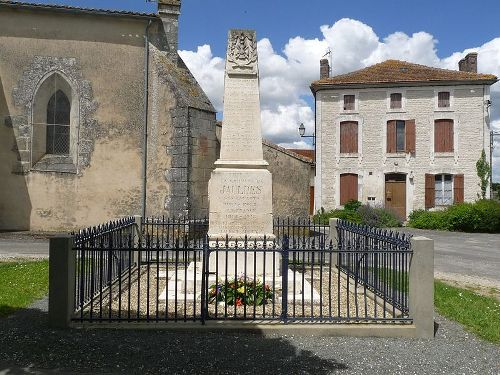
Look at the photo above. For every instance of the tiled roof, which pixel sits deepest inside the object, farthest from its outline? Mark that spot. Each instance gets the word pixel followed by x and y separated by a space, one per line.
pixel 401 72
pixel 67 8
pixel 305 153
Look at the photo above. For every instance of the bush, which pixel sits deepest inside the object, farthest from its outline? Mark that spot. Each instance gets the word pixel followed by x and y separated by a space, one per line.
pixel 323 217
pixel 352 205
pixel 378 217
pixel 481 216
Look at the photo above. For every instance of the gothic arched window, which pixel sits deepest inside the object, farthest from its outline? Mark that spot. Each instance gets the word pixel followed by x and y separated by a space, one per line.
pixel 58 124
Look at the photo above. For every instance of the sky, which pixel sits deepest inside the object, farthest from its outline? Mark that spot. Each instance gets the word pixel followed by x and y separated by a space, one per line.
pixel 293 35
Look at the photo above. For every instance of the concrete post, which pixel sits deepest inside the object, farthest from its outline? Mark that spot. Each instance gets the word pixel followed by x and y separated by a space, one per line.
pixel 62 264
pixel 421 289
pixel 334 238
pixel 137 234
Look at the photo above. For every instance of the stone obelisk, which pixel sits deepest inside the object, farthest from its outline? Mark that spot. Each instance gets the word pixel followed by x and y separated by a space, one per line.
pixel 240 188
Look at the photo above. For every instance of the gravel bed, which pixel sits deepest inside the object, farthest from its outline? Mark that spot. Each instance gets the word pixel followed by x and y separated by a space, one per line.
pixel 28 346
pixel 339 299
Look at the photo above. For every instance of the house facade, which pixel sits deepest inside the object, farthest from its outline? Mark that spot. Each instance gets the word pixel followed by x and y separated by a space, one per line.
pixel 99 118
pixel 400 135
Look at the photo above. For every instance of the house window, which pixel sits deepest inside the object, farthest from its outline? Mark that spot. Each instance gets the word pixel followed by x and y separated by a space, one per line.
pixel 348 187
pixel 443 188
pixel 443 136
pixel 401 136
pixel 58 121
pixel 348 137
pixel 349 102
pixel 396 101
pixel 443 99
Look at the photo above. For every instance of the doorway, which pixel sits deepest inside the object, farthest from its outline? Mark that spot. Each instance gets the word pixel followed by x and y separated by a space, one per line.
pixel 395 193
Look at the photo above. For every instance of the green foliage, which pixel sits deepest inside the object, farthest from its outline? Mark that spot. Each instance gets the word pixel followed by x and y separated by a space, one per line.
pixel 479 314
pixel 481 216
pixel 240 292
pixel 21 283
pixel 359 213
pixel 483 171
pixel 352 205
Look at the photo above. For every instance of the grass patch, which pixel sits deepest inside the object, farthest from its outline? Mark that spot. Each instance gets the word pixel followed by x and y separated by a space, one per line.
pixel 21 283
pixel 479 314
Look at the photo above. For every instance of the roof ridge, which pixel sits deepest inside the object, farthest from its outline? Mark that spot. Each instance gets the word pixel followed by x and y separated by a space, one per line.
pixel 34 5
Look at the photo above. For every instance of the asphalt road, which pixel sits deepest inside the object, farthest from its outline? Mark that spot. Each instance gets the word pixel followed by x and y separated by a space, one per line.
pixel 469 254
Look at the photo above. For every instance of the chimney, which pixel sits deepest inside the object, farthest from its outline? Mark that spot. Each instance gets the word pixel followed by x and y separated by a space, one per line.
pixel 169 11
pixel 468 63
pixel 324 69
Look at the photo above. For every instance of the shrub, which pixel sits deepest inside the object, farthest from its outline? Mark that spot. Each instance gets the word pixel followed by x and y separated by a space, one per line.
pixel 323 217
pixel 378 217
pixel 481 216
pixel 352 205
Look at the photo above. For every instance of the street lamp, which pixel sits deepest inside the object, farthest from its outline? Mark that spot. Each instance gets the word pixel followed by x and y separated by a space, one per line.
pixel 302 131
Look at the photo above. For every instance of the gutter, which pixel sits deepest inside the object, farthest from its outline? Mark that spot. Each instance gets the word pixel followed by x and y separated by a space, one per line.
pixel 146 111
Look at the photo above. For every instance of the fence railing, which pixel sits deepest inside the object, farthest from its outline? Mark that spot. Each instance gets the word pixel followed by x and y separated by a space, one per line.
pixel 164 270
pixel 103 254
pixel 377 259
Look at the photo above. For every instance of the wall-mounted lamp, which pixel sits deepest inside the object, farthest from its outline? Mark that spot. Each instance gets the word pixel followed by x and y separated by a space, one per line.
pixel 302 131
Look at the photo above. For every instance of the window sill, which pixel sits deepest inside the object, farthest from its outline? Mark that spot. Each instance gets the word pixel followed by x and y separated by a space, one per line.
pixel 55 163
pixel 396 110
pixel 444 155
pixel 396 155
pixel 444 109
pixel 349 155
pixel 350 112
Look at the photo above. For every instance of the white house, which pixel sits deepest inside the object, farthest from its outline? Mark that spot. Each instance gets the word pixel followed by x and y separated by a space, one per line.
pixel 400 135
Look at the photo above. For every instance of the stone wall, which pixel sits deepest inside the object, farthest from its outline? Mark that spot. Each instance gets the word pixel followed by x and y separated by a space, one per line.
pixel 291 181
pixel 372 163
pixel 102 59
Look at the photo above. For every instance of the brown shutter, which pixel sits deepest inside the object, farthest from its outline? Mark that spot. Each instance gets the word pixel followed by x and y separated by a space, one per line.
pixel 458 188
pixel 410 136
pixel 429 190
pixel 348 187
pixel 391 136
pixel 348 137
pixel 443 136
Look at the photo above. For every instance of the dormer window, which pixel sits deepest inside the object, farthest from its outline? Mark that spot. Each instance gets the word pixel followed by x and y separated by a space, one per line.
pixel 349 102
pixel 396 101
pixel 444 99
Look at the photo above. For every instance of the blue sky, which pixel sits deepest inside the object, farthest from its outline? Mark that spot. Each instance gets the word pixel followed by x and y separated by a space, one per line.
pixel 293 35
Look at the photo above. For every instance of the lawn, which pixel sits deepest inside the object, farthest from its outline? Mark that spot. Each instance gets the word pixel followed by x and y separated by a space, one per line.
pixel 21 283
pixel 479 314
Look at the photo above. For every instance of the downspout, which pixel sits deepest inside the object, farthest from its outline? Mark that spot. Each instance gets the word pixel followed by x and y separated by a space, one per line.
pixel 146 110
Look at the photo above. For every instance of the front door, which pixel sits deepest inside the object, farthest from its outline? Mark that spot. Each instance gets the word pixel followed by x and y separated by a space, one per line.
pixel 395 193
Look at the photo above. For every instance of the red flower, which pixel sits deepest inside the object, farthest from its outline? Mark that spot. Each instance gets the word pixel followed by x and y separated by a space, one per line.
pixel 239 302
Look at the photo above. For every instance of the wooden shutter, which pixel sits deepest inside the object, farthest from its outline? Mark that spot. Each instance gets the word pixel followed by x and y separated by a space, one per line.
pixel 396 101
pixel 410 136
pixel 311 200
pixel 443 99
pixel 429 190
pixel 458 188
pixel 348 187
pixel 348 137
pixel 391 136
pixel 349 102
pixel 443 136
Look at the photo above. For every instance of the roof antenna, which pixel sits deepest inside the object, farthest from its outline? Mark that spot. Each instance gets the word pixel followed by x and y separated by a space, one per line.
pixel 329 54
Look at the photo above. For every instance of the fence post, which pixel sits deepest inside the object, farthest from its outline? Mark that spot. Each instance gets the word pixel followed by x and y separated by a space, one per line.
pixel 334 238
pixel 421 289
pixel 137 235
pixel 62 263
pixel 284 279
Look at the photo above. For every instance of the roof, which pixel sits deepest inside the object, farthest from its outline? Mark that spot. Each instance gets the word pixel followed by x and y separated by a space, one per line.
pixel 73 9
pixel 395 72
pixel 303 152
pixel 288 152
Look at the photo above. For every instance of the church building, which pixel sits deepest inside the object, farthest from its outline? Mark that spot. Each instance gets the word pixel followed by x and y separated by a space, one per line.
pixel 99 118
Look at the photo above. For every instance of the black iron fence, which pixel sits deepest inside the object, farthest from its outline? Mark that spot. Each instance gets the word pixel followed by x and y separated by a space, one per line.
pixel 166 271
pixel 377 259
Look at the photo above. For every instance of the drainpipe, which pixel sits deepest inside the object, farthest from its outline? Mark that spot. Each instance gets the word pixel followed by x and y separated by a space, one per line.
pixel 146 110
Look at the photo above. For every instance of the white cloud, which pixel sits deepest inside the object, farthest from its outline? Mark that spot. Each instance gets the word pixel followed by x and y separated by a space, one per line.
pixel 285 75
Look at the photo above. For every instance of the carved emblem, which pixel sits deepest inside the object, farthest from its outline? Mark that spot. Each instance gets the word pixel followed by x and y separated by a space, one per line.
pixel 242 50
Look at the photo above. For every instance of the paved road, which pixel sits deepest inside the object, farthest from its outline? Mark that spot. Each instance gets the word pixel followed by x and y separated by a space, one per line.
pixel 474 255
pixel 23 247
pixel 467 254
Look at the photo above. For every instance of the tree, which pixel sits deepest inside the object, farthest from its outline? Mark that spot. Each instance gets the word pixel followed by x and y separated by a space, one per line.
pixel 483 172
